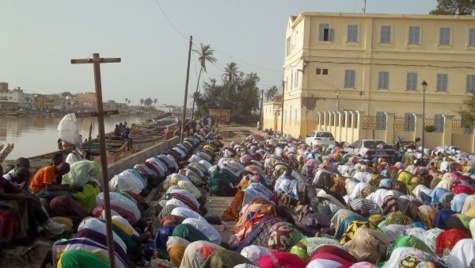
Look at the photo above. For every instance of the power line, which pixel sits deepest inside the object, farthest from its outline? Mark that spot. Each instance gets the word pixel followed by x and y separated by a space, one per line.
pixel 169 21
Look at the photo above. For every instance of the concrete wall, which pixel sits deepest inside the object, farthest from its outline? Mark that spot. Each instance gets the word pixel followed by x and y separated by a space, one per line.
pixel 140 157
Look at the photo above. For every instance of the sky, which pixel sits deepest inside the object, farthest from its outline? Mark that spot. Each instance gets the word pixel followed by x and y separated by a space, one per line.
pixel 39 38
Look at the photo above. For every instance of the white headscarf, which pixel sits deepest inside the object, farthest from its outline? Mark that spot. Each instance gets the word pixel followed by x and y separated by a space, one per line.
pixel 463 254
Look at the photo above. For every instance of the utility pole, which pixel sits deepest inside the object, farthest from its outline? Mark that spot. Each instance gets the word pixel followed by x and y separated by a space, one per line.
pixel 262 108
pixel 96 61
pixel 282 112
pixel 364 7
pixel 186 90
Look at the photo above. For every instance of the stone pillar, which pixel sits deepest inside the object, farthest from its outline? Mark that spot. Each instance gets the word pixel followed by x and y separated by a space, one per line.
pixel 389 134
pixel 348 137
pixel 334 122
pixel 320 118
pixel 325 120
pixel 447 136
pixel 359 125
pixel 340 128
pixel 418 128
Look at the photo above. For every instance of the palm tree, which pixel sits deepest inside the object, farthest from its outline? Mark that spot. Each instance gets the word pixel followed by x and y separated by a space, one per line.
pixel 206 55
pixel 230 72
pixel 155 101
pixel 126 99
pixel 141 101
pixel 271 92
pixel 128 102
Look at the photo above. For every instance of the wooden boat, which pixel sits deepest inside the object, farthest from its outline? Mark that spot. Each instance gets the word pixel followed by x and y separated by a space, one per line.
pixel 117 149
pixel 14 114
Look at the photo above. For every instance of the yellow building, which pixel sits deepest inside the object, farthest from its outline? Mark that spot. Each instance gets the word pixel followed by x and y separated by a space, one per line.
pixel 373 63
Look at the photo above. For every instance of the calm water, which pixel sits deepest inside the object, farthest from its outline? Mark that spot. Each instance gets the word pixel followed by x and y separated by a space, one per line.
pixel 35 135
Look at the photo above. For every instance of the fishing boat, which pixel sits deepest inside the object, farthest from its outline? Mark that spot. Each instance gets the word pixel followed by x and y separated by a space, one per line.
pixel 116 149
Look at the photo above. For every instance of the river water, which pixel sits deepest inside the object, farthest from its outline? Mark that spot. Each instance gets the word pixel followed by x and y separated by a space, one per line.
pixel 35 135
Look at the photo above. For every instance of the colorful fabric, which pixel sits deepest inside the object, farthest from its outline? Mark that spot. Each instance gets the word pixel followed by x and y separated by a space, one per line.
pixel 369 245
pixel 441 218
pixel 413 242
pixel 81 259
pixel 196 253
pixel 408 257
pixel 353 227
pixel 87 197
pixel 457 202
pixel 281 259
pixel 176 249
pixel 397 217
pixel 283 236
pixel 447 240
pixel 469 202
pixel 462 254
pixel 225 259
pixel 46 175
pixel 189 233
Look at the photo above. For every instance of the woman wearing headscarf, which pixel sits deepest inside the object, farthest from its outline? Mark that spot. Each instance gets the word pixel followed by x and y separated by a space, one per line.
pixel 196 254
pixel 408 257
pixel 339 217
pixel 333 254
pixel 283 236
pixel 463 254
pixel 460 222
pixel 469 202
pixel 441 218
pixel 369 245
pixel 188 232
pixel 176 247
pixel 446 241
pixel 457 202
pixel 225 259
pixel 278 259
pixel 430 237
pixel 436 194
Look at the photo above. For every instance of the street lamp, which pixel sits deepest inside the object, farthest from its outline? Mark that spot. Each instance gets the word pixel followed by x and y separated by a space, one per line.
pixel 424 87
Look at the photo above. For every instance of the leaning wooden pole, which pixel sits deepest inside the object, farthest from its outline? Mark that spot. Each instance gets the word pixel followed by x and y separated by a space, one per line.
pixel 186 91
pixel 96 61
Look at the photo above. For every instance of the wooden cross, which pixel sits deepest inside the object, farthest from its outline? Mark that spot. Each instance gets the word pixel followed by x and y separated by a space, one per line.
pixel 96 61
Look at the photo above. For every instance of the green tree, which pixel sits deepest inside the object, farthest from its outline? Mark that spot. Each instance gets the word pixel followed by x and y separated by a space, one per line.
pixel 454 7
pixel 468 111
pixel 155 101
pixel 126 100
pixel 242 97
pixel 230 72
pixel 205 55
pixel 148 102
pixel 141 101
pixel 271 92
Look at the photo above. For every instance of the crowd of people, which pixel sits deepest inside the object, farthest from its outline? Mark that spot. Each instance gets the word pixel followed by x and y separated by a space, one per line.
pixel 293 206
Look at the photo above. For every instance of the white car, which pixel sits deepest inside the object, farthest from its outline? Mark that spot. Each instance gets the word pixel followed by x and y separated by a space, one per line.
pixel 370 148
pixel 320 138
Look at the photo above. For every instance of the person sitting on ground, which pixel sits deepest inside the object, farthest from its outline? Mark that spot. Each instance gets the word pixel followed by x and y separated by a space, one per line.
pixel 20 162
pixel 44 183
pixel 26 208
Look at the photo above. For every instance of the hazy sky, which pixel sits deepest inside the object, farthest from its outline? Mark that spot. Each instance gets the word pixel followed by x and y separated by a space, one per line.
pixel 38 39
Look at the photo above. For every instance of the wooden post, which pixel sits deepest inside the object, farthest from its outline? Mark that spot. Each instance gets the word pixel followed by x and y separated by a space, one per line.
pixel 186 91
pixel 96 61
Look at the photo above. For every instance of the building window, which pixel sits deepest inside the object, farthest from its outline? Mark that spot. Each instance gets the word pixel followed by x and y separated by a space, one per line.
pixel 350 78
pixel 411 84
pixel 414 34
pixel 471 38
pixel 380 120
pixel 442 82
pixel 289 40
pixel 383 80
pixel 352 33
pixel 470 83
pixel 444 36
pixel 296 79
pixel 409 122
pixel 322 71
pixel 291 79
pixel 290 115
pixel 439 123
pixel 296 121
pixel 385 37
pixel 325 32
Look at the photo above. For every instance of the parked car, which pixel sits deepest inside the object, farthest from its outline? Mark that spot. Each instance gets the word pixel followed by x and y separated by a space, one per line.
pixel 370 148
pixel 320 138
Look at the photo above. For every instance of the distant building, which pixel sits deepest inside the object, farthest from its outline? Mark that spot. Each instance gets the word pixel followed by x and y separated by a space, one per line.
pixel 372 64
pixel 3 87
pixel 86 101
pixel 44 102
pixel 222 116
pixel 16 99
